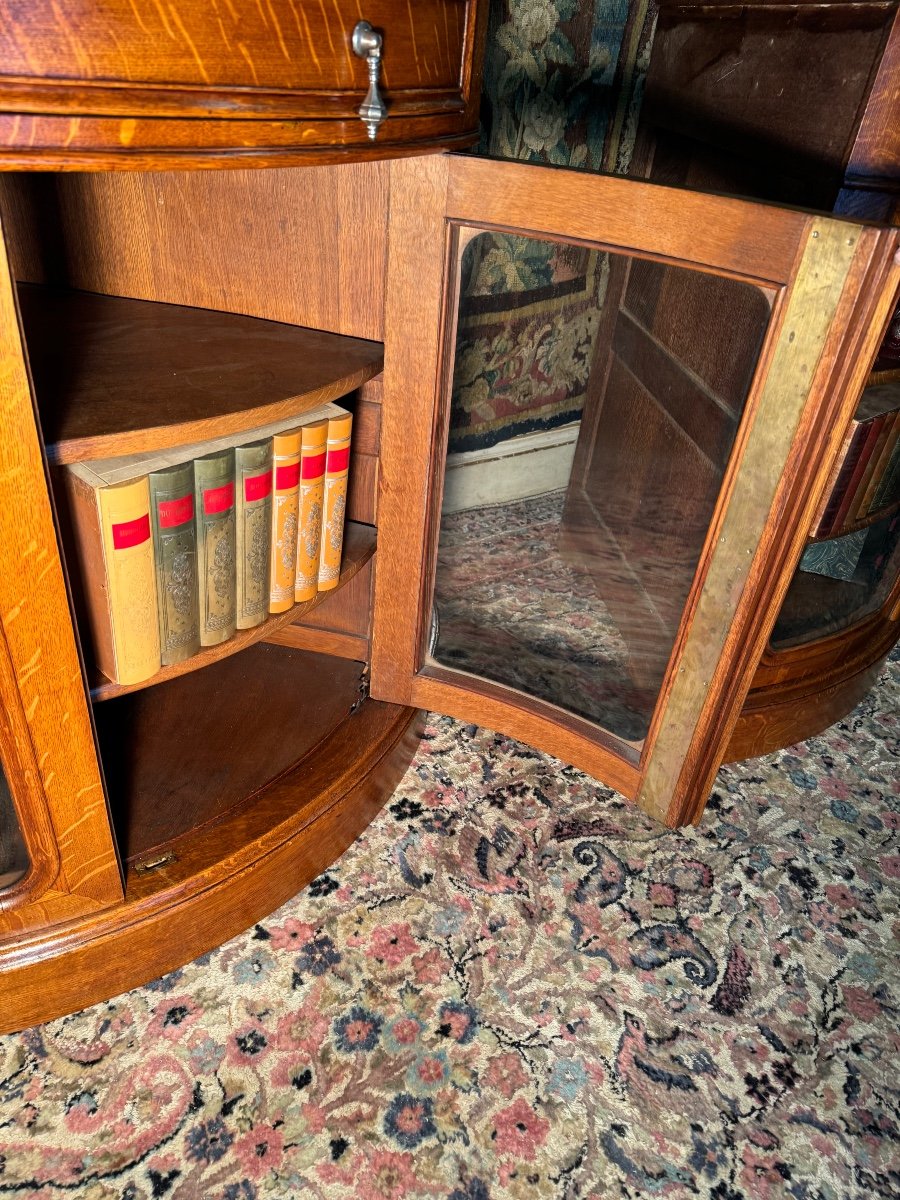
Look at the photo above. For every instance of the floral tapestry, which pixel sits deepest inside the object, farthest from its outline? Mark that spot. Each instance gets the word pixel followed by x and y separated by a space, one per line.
pixel 562 86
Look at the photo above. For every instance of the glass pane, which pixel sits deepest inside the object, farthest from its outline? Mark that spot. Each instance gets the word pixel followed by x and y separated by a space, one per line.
pixel 595 403
pixel 838 582
pixel 13 856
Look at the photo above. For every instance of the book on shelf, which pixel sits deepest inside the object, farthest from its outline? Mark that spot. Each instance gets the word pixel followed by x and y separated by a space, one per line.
pixel 334 506
pixel 285 518
pixel 175 557
pixel 214 508
pixel 314 435
pixel 218 534
pixel 253 531
pixel 882 456
pixel 111 527
pixel 856 474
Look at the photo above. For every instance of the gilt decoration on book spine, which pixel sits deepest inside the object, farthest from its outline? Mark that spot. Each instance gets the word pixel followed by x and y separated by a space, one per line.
pixel 337 467
pixel 312 492
pixel 175 552
pixel 214 508
pixel 253 478
pixel 285 513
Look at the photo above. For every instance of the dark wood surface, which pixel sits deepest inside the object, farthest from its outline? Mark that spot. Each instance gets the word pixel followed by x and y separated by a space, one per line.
pixel 136 84
pixel 115 376
pixel 181 755
pixel 799 103
pixel 770 95
pixel 359 547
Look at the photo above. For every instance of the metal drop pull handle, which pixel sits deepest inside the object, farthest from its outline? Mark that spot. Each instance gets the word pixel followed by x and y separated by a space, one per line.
pixel 366 44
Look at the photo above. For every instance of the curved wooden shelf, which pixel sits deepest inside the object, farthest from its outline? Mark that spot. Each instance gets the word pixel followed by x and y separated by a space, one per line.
pixel 359 546
pixel 115 376
pixel 220 881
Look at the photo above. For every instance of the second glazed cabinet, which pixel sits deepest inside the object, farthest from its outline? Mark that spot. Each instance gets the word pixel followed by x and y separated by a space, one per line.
pixel 611 612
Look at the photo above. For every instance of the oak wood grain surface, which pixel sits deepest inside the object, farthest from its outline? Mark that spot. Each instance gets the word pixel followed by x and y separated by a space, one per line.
pixel 44 692
pixel 304 247
pixel 262 853
pixel 115 376
pixel 169 753
pixel 132 84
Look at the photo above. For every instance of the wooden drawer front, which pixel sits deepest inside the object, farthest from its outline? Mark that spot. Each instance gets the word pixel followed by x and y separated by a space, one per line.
pixel 287 58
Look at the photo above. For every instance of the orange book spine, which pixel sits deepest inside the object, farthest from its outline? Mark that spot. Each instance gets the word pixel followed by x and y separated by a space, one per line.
pixel 334 507
pixel 285 519
pixel 312 493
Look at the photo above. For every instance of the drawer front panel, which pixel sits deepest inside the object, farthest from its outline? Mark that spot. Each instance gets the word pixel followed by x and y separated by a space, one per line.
pixel 282 58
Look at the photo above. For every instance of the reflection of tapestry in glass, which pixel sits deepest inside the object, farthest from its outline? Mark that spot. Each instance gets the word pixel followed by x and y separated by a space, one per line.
pixel 528 318
pixel 562 85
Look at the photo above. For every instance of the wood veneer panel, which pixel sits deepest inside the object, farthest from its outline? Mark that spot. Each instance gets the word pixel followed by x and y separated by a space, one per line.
pixel 45 668
pixel 736 236
pixel 181 755
pixel 115 376
pixel 359 546
pixel 187 54
pixel 306 247
pixel 262 854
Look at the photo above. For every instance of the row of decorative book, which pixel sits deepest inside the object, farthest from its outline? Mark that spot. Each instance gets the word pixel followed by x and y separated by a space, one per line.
pixel 866 477
pixel 179 549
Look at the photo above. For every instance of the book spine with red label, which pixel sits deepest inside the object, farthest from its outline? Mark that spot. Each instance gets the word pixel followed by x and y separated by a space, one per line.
pixel 175 554
pixel 314 436
pixel 253 526
pixel 285 519
pixel 114 546
pixel 215 518
pixel 334 507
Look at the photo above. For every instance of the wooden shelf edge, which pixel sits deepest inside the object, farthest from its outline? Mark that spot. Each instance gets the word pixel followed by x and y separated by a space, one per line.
pixel 189 433
pixel 116 376
pixel 862 523
pixel 169 920
pixel 359 547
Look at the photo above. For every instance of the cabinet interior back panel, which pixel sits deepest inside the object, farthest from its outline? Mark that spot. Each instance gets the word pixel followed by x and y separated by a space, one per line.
pixel 305 246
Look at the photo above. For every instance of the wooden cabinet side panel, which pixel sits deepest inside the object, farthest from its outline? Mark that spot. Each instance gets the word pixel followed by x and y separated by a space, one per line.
pixel 35 615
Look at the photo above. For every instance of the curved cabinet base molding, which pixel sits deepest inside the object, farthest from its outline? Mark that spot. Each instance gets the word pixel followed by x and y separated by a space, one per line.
pixel 221 880
pixel 767 723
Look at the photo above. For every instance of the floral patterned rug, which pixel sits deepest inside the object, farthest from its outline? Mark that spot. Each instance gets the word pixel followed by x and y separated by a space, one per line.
pixel 516 985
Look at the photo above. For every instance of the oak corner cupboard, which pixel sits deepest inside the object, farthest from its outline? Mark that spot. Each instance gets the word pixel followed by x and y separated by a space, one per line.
pixel 610 607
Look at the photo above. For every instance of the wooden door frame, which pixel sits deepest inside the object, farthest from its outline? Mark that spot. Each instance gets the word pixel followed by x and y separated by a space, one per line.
pixel 832 279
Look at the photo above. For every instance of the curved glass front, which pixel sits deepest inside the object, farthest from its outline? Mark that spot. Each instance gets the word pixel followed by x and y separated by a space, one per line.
pixel 595 403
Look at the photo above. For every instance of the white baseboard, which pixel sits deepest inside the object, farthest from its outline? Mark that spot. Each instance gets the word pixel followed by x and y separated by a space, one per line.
pixel 529 465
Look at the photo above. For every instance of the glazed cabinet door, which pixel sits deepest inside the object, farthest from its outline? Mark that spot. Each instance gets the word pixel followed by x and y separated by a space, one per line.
pixel 609 410
pixel 57 858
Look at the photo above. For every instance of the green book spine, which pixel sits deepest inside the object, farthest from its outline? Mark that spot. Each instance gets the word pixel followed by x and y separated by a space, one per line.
pixel 214 508
pixel 253 483
pixel 175 555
